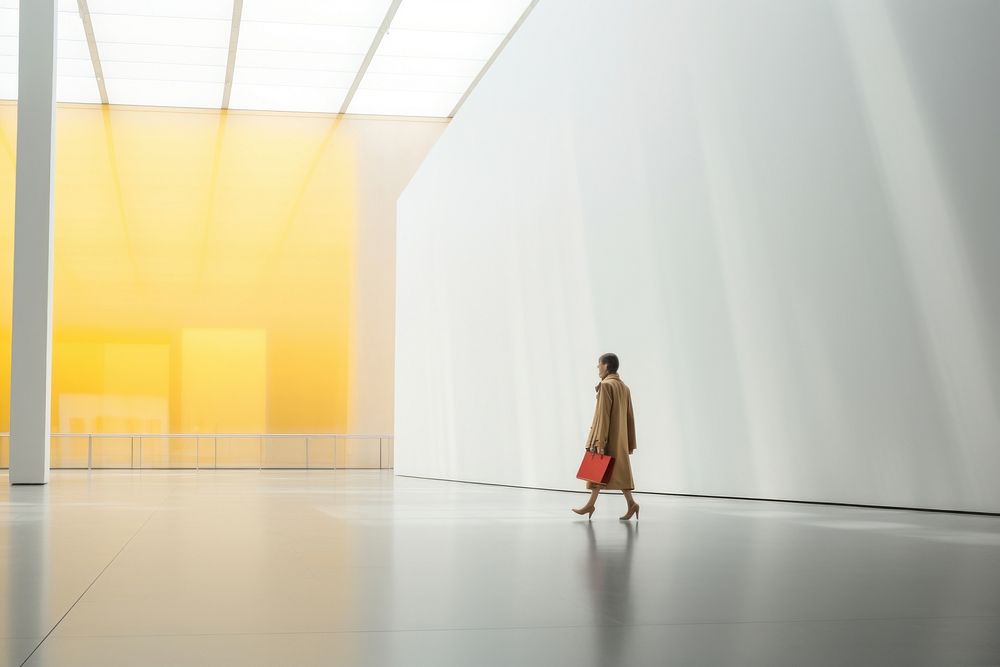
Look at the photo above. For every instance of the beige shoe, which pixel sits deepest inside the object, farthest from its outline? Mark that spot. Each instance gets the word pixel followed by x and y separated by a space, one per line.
pixel 634 509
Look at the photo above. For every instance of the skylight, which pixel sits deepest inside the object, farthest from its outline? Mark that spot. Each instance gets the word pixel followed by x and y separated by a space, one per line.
pixel 382 57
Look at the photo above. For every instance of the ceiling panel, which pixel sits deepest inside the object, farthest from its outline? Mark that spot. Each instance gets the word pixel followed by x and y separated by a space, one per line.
pixel 305 38
pixel 314 12
pixel 163 71
pixel 196 9
pixel 160 93
pixel 304 61
pixel 8 49
pixel 403 103
pixel 178 32
pixel 160 53
pixel 75 49
pixel 75 80
pixel 432 53
pixel 8 85
pixel 163 52
pixel 434 44
pixel 76 68
pixel 288 98
pixel 265 76
pixel 305 53
pixel 430 66
pixel 483 16
pixel 81 89
pixel 416 83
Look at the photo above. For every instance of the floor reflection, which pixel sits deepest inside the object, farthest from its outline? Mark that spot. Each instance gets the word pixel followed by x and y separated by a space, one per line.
pixel 607 570
pixel 24 612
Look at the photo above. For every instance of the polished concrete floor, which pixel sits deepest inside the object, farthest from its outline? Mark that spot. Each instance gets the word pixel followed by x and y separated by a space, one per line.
pixel 361 568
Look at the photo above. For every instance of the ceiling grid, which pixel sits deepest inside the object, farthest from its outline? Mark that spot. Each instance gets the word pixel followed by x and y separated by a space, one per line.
pixel 375 57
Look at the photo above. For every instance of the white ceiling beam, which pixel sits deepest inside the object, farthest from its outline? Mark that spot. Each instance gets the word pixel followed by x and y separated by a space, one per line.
pixel 95 58
pixel 234 39
pixel 489 63
pixel 382 29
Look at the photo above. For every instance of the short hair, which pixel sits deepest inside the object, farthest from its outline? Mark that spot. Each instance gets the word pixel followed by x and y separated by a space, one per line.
pixel 611 361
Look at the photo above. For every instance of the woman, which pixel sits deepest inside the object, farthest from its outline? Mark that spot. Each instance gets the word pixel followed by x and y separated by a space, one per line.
pixel 613 433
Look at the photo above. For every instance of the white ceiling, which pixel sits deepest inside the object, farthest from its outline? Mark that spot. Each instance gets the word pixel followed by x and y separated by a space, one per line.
pixel 290 55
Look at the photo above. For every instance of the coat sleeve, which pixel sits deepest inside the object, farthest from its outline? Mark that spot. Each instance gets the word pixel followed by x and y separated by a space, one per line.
pixel 631 427
pixel 602 418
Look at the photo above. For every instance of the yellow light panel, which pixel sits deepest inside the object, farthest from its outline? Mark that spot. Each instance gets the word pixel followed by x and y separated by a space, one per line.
pixel 203 273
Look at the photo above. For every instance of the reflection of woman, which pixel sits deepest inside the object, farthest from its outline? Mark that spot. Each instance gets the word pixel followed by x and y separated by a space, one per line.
pixel 608 569
pixel 613 433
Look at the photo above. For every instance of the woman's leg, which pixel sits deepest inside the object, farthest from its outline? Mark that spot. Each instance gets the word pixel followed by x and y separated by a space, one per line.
pixel 633 507
pixel 588 509
pixel 593 499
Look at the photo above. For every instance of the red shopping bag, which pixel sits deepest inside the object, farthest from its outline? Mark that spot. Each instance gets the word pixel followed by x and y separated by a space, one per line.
pixel 595 468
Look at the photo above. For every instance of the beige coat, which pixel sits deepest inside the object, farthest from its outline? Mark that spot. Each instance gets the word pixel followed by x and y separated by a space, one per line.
pixel 613 430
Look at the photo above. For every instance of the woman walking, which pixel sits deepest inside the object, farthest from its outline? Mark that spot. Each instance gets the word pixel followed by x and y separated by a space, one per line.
pixel 613 433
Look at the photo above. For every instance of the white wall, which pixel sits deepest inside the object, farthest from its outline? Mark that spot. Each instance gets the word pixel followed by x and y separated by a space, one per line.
pixel 781 214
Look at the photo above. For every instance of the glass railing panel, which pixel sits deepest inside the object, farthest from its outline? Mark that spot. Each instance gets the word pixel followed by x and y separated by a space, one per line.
pixel 321 452
pixel 206 451
pixel 358 452
pixel 69 451
pixel 184 451
pixel 385 444
pixel 114 451
pixel 238 451
pixel 190 451
pixel 154 452
pixel 284 451
pixel 168 451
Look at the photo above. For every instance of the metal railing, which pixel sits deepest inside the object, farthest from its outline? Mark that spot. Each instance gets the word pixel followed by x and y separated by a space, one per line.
pixel 219 451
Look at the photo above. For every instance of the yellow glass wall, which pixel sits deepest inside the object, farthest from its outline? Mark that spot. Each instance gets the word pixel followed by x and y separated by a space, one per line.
pixel 203 275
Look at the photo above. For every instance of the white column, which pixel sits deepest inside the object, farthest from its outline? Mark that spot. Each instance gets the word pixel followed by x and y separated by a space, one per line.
pixel 31 353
